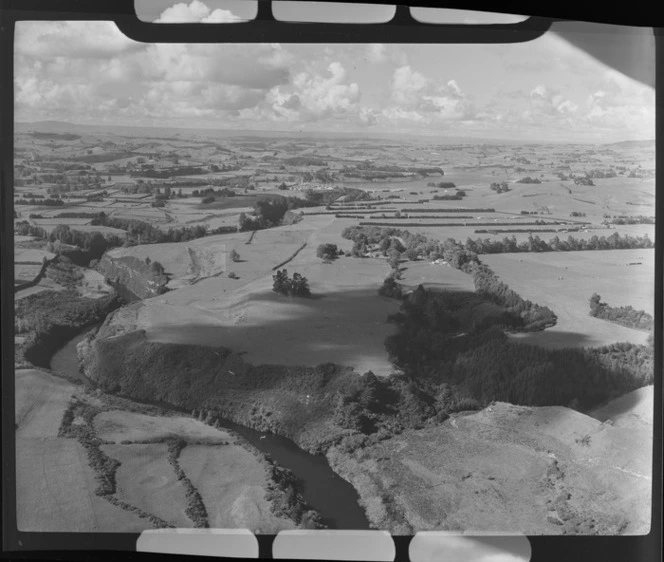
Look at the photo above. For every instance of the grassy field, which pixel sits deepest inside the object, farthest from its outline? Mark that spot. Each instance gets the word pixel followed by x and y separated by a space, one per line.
pixel 93 285
pixel 209 256
pixel 45 284
pixel 119 425
pixel 53 480
pixel 344 321
pixel 507 469
pixel 232 484
pixel 230 479
pixel 55 483
pixel 146 479
pixel 433 276
pixel 565 282
pixel 631 410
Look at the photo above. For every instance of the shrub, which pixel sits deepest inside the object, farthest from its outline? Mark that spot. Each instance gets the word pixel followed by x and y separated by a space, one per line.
pixel 234 256
pixel 233 275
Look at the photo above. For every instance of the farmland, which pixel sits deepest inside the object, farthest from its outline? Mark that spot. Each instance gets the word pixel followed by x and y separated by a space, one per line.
pixel 368 299
pixel 54 477
pixel 561 281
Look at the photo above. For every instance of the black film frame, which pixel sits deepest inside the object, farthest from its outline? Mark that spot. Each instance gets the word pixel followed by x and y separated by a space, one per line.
pixel 264 28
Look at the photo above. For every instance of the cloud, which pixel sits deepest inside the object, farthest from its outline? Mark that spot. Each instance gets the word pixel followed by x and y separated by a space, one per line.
pixel 47 40
pixel 315 96
pixel 412 91
pixel 543 100
pixel 251 66
pixel 407 85
pixel 90 72
pixel 376 53
pixel 76 70
pixel 619 103
pixel 196 12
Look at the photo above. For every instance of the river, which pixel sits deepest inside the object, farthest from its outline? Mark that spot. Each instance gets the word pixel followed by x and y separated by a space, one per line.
pixel 65 360
pixel 329 494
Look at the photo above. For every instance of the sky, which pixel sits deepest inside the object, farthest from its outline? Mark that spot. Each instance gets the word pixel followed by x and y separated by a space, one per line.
pixel 542 91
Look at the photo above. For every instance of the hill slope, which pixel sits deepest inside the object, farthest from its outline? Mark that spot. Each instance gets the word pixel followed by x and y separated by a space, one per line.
pixel 507 468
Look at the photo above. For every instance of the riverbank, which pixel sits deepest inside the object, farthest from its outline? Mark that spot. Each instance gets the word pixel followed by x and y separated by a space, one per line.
pixel 46 321
pixel 295 480
pixel 88 462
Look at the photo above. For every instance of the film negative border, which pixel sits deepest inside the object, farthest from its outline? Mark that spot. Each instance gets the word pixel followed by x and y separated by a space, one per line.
pixel 401 29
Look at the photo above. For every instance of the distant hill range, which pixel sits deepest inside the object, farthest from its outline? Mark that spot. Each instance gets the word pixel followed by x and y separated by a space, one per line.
pixel 141 131
pixel 634 144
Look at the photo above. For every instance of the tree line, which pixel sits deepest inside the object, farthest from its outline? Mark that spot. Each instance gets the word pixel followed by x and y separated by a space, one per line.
pixel 535 244
pixel 624 315
pixel 451 337
pixel 50 202
pixel 141 232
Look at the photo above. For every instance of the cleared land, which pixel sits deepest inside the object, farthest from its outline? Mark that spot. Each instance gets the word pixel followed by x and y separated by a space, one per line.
pixel 117 426
pixel 345 321
pixel 533 470
pixel 565 282
pixel 54 483
pixel 230 479
pixel 232 484
pixel 146 479
pixel 634 409
pixel 509 469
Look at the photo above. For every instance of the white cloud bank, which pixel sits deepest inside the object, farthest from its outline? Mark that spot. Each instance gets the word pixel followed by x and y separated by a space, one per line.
pixel 90 72
pixel 196 12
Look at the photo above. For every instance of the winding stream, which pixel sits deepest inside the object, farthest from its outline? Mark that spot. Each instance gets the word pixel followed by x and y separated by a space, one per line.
pixel 329 494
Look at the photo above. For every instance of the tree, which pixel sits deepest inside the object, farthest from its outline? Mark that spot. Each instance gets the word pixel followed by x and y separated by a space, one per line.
pixel 393 258
pixel 271 211
pixel 327 251
pixel 297 286
pixel 300 286
pixel 596 306
pixel 391 288
pixel 281 283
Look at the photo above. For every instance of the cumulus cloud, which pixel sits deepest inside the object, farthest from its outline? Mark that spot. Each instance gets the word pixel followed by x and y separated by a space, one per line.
pixel 407 85
pixel 619 103
pixel 547 101
pixel 47 40
pixel 91 72
pixel 315 96
pixel 414 92
pixel 76 70
pixel 196 12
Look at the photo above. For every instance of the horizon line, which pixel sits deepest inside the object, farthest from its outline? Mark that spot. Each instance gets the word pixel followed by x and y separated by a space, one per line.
pixel 420 135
